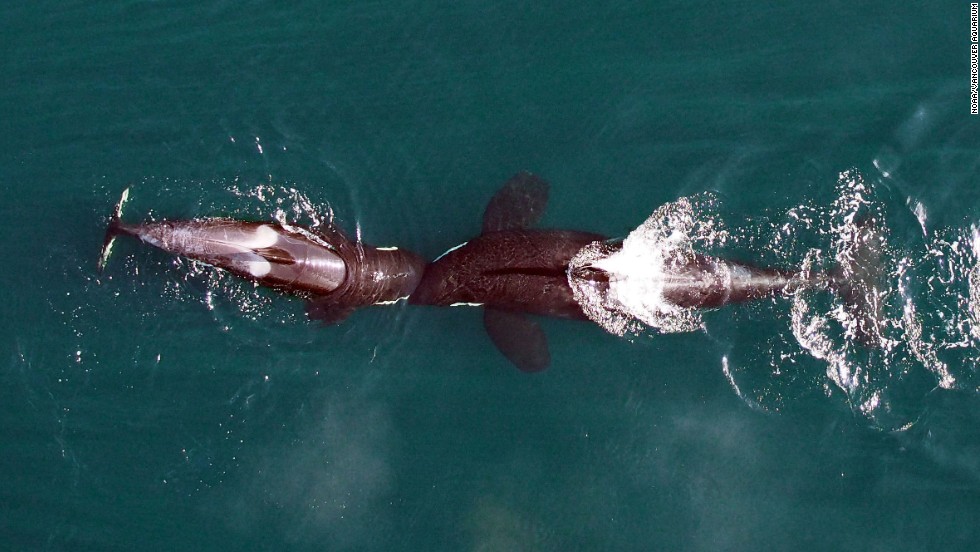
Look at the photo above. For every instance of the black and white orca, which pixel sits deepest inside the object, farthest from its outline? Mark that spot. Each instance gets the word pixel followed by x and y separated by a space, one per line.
pixel 512 270
pixel 334 273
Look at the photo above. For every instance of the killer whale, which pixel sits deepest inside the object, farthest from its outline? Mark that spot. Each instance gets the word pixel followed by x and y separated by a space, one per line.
pixel 512 270
pixel 334 273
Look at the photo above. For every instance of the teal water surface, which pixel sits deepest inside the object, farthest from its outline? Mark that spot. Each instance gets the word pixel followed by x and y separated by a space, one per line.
pixel 161 406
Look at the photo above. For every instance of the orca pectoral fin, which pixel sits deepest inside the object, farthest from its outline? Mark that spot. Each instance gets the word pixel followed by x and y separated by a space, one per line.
pixel 519 338
pixel 327 311
pixel 518 204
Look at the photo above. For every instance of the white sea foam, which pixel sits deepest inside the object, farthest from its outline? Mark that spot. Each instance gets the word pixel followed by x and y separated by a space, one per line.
pixel 897 322
pixel 639 271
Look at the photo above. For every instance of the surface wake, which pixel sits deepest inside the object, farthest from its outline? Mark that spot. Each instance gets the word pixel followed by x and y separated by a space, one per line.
pixel 898 319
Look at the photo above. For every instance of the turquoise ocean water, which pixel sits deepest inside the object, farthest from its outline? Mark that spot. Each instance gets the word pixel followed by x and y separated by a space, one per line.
pixel 162 406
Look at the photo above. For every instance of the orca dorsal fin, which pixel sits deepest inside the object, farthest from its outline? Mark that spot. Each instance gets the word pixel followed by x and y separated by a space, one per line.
pixel 519 338
pixel 518 204
pixel 326 310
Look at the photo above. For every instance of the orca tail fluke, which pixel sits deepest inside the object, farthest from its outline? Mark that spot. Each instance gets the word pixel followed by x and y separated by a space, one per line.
pixel 859 281
pixel 113 230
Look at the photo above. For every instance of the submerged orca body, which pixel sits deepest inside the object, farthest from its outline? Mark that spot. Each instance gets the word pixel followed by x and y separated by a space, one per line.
pixel 710 283
pixel 705 282
pixel 336 275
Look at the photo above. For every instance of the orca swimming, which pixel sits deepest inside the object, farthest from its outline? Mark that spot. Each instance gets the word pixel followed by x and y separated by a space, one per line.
pixel 510 270
pixel 334 273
